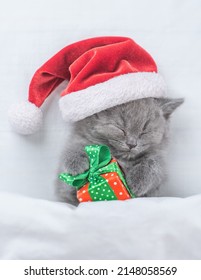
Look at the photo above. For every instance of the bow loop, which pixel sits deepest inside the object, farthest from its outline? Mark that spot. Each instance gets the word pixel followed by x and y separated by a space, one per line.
pixel 76 181
pixel 99 156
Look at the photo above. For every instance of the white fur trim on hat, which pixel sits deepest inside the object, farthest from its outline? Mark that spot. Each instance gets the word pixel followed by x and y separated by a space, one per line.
pixel 25 118
pixel 124 88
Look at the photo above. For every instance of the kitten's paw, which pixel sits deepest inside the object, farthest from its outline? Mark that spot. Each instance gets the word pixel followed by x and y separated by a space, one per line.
pixel 71 197
pixel 142 182
pixel 137 181
pixel 66 193
pixel 137 188
pixel 77 164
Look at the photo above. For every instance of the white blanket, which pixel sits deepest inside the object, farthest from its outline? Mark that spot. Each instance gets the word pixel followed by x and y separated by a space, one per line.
pixel 149 228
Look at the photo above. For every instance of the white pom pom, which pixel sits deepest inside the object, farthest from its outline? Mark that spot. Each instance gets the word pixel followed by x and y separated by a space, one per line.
pixel 25 118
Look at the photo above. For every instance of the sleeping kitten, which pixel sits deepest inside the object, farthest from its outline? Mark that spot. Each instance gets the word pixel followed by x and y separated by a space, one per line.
pixel 136 133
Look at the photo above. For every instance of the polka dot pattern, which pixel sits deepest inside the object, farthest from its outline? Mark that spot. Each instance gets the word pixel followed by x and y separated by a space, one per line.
pixel 83 194
pixel 102 190
pixel 117 186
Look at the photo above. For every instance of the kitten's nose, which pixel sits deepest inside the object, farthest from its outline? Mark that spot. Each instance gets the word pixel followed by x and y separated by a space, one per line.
pixel 131 145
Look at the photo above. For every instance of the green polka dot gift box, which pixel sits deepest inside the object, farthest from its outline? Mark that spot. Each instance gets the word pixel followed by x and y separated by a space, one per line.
pixel 102 181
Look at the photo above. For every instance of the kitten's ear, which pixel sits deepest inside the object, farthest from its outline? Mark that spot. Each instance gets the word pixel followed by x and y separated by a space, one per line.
pixel 168 105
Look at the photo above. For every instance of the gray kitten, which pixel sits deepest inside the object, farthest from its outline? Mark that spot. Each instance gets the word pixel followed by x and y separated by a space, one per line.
pixel 137 134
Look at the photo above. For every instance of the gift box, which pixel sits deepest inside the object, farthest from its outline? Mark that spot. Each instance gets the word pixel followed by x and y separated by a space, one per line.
pixel 103 181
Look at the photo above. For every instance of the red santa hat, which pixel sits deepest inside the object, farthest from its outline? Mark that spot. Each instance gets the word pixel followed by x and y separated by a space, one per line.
pixel 102 72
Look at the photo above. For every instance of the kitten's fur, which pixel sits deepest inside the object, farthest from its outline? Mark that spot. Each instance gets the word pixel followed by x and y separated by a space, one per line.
pixel 136 133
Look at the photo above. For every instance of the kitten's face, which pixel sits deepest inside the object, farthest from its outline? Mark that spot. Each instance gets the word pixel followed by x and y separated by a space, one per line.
pixel 128 129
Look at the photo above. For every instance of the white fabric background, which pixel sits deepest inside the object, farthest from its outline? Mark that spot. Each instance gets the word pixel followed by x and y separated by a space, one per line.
pixel 31 32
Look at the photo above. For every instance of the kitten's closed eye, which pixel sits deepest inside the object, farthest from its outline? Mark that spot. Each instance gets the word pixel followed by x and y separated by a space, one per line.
pixel 145 125
pixel 110 131
pixel 145 129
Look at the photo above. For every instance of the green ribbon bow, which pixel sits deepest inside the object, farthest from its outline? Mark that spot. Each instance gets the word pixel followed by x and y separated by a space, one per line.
pixel 99 159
